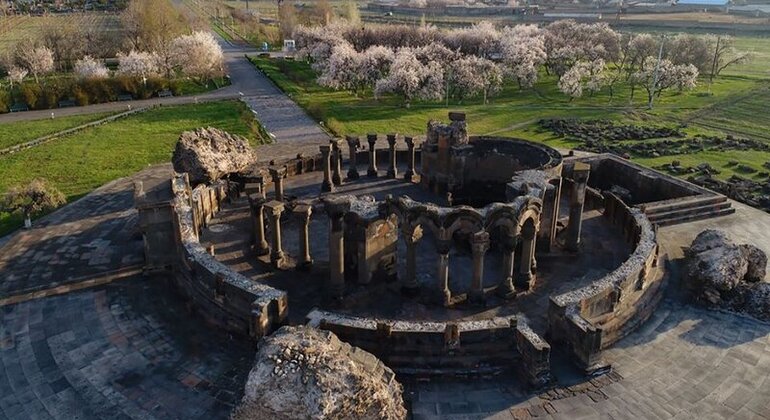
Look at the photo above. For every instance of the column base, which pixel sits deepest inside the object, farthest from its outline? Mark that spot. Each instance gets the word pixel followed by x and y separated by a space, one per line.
pixel 410 290
pixel 327 187
pixel 409 176
pixel 444 297
pixel 305 265
pixel 505 289
pixel 353 175
pixel 524 281
pixel 572 247
pixel 277 260
pixel 336 180
pixel 392 174
pixel 335 291
pixel 262 249
pixel 372 173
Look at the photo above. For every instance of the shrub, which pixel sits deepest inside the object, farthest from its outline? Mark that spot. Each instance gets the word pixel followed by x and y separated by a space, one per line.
pixel 81 97
pixel 98 90
pixel 336 127
pixel 5 100
pixel 30 94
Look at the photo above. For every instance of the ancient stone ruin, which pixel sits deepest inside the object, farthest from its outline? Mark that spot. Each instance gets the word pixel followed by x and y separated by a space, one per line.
pixel 305 373
pixel 458 255
pixel 721 274
pixel 208 154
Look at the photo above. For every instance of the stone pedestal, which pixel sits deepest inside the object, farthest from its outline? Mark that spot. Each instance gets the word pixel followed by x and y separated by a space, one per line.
pixel 392 170
pixel 577 199
pixel 278 173
pixel 303 212
pixel 372 140
pixel 410 170
pixel 257 204
pixel 479 246
pixel 327 185
pixel 336 161
pixel 353 144
pixel 274 210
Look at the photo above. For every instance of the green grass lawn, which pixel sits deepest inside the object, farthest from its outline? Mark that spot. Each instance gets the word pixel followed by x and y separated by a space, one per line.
pixel 79 163
pixel 24 131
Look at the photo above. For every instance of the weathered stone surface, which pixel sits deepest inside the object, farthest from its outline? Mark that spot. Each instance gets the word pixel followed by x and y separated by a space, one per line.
pixel 757 263
pixel 305 373
pixel 208 154
pixel 717 272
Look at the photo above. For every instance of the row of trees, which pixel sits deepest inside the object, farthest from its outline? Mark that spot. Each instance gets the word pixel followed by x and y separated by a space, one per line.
pixel 196 55
pixel 427 63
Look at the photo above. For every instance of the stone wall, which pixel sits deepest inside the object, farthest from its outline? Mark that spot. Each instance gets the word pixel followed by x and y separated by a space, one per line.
pixel 451 348
pixel 223 297
pixel 592 318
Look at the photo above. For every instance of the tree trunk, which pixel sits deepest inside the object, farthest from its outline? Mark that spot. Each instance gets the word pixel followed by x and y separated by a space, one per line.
pixel 27 221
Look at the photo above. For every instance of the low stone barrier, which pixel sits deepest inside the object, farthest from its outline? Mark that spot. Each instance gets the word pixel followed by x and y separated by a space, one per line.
pixel 452 348
pixel 224 297
pixel 594 317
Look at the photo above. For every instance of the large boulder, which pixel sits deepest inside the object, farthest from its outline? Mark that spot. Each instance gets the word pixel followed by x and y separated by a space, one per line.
pixel 208 154
pixel 306 373
pixel 721 273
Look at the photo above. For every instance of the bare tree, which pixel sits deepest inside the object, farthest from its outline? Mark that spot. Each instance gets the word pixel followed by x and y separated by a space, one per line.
pixel 725 55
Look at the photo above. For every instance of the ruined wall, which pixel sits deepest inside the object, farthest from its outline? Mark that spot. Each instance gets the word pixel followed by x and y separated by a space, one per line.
pixel 593 318
pixel 465 347
pixel 223 297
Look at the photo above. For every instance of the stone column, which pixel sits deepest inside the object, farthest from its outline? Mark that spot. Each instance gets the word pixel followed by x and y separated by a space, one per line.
pixel 326 186
pixel 392 170
pixel 479 246
pixel 444 294
pixel 257 204
pixel 278 173
pixel 372 171
pixel 336 161
pixel 410 172
pixel 411 236
pixel 550 215
pixel 576 201
pixel 303 213
pixel 353 144
pixel 336 209
pixel 274 210
pixel 505 288
pixel 525 276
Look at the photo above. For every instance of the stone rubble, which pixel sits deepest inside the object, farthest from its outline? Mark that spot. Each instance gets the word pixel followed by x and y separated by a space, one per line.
pixel 724 275
pixel 305 373
pixel 208 154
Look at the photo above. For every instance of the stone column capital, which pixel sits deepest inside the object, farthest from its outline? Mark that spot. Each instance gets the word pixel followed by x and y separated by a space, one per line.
pixel 325 149
pixel 303 211
pixel 337 207
pixel 353 141
pixel 392 139
pixel 277 172
pixel 371 138
pixel 257 200
pixel 275 208
pixel 335 143
pixel 480 242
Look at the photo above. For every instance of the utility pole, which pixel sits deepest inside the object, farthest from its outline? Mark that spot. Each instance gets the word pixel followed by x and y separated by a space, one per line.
pixel 657 70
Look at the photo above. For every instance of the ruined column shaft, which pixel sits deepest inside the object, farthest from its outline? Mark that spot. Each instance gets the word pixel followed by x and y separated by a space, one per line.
pixel 410 170
pixel 353 144
pixel 577 200
pixel 479 246
pixel 336 286
pixel 392 170
pixel 372 140
pixel 274 209
pixel 525 275
pixel 411 238
pixel 303 213
pixel 445 295
pixel 326 186
pixel 336 162
pixel 278 173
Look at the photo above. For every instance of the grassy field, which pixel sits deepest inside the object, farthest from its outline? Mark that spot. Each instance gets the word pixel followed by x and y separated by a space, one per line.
pixel 23 27
pixel 79 163
pixel 24 131
pixel 733 104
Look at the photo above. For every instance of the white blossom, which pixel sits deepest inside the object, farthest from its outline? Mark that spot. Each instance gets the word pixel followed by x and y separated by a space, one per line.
pixel 523 52
pixel 198 55
pixel 38 61
pixel 138 64
pixel 89 68
pixel 17 74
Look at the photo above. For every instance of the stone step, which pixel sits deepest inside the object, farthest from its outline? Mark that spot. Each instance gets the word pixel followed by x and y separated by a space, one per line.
pixel 693 217
pixel 685 204
pixel 676 213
